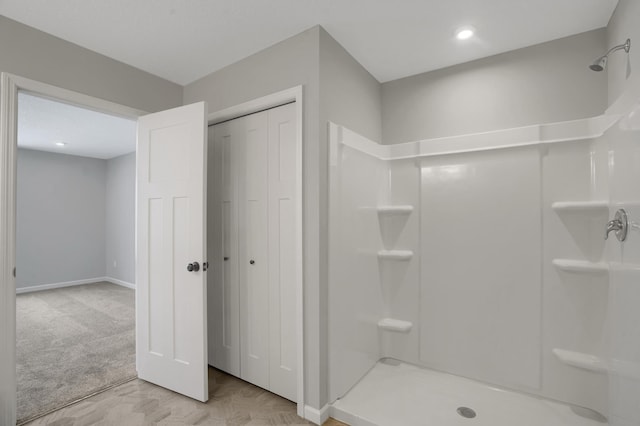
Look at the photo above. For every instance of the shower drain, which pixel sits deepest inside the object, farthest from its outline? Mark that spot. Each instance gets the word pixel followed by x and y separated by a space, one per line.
pixel 466 412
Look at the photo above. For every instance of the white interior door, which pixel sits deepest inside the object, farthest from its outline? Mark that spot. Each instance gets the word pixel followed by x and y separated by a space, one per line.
pixel 171 301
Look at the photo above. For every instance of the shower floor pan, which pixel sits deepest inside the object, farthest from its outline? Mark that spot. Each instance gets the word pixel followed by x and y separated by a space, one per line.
pixel 398 394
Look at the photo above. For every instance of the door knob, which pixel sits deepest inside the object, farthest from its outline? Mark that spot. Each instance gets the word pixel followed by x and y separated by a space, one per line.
pixel 252 261
pixel 193 267
pixel 620 224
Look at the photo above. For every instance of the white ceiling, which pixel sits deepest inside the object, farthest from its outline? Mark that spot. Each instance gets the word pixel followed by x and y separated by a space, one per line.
pixel 183 40
pixel 43 122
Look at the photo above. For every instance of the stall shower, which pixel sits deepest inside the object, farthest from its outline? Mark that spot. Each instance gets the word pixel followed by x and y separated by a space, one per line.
pixel 470 276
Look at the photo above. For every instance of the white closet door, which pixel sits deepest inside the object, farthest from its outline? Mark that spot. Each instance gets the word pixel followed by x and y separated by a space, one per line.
pixel 254 256
pixel 224 313
pixel 282 255
pixel 253 225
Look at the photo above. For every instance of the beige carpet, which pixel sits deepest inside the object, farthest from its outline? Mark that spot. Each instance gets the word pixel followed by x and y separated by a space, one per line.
pixel 72 342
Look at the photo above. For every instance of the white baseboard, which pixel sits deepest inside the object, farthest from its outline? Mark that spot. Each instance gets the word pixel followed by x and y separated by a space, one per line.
pixel 348 418
pixel 120 282
pixel 51 286
pixel 316 416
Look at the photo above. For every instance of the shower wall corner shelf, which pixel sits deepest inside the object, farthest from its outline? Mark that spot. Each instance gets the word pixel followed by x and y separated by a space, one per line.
pixel 395 254
pixel 581 266
pixel 581 360
pixel 581 206
pixel 395 210
pixel 391 324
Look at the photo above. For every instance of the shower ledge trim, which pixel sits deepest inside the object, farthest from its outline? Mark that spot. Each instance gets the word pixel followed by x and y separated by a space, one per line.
pixel 581 360
pixel 395 209
pixel 581 206
pixel 581 266
pixel 402 255
pixel 542 134
pixel 392 324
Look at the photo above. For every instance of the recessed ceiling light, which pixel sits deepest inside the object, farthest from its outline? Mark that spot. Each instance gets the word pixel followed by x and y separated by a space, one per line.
pixel 60 144
pixel 464 33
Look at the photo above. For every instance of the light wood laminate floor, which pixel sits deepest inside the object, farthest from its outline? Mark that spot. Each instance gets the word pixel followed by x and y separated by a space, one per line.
pixel 232 402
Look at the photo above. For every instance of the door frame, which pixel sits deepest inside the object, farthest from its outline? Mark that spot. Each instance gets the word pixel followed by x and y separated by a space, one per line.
pixel 9 86
pixel 294 94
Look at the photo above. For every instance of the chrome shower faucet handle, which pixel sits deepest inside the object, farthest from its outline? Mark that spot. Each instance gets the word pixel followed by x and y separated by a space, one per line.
pixel 619 224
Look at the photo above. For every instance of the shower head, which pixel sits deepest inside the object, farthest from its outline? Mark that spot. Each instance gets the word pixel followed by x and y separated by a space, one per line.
pixel 601 63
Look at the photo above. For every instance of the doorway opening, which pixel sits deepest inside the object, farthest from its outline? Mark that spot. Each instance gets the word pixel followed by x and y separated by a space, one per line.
pixel 75 240
pixel 12 88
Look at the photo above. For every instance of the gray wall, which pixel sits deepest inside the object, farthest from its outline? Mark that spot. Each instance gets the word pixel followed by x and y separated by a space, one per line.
pixel 623 70
pixel 60 218
pixel 548 82
pixel 76 216
pixel 120 218
pixel 39 56
pixel 349 94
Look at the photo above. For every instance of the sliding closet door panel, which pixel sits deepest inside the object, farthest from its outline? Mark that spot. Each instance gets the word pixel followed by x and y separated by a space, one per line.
pixel 281 207
pixel 224 313
pixel 254 256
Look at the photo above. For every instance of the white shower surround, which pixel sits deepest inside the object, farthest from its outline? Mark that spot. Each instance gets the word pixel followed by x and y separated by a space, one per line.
pixel 573 166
